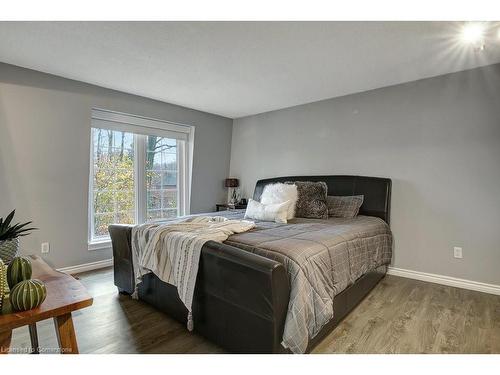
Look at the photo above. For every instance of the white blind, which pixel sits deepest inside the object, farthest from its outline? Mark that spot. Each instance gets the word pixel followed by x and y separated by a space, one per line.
pixel 104 119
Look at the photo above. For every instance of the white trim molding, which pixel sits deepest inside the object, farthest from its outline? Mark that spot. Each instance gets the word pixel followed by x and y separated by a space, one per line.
pixel 87 266
pixel 445 280
pixel 409 274
pixel 100 245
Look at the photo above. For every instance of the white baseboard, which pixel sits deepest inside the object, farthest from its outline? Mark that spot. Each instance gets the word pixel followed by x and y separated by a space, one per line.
pixel 87 266
pixel 422 276
pixel 445 280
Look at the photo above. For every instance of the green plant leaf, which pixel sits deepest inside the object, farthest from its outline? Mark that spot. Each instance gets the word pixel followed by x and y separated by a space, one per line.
pixel 25 230
pixel 8 232
pixel 19 225
pixel 9 218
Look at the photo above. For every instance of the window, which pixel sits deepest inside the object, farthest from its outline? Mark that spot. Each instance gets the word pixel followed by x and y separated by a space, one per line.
pixel 139 172
pixel 161 178
pixel 113 182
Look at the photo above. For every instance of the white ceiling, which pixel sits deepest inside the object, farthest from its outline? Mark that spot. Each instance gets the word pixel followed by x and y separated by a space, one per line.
pixel 237 69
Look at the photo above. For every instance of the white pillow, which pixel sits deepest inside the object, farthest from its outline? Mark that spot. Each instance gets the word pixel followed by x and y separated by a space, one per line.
pixel 267 212
pixel 279 193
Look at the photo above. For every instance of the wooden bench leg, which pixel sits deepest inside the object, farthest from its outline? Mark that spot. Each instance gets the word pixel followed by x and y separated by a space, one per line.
pixel 5 337
pixel 66 334
pixel 34 339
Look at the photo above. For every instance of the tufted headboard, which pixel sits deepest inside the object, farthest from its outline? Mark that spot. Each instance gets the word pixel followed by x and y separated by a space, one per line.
pixel 377 191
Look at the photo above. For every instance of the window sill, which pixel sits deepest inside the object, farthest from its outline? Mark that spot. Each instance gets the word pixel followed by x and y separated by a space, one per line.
pixel 100 245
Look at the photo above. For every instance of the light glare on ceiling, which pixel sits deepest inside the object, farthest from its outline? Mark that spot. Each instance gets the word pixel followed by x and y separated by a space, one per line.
pixel 473 33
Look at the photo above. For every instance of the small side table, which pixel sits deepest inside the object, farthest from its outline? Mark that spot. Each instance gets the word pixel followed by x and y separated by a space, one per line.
pixel 225 206
pixel 64 295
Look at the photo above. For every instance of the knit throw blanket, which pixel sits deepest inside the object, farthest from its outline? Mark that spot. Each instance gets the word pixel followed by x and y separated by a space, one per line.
pixel 172 250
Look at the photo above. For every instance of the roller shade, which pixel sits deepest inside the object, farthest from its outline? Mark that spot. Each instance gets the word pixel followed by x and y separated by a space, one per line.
pixel 103 119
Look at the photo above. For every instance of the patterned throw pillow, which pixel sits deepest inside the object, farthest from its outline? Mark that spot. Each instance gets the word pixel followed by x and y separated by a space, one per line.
pixel 344 206
pixel 312 200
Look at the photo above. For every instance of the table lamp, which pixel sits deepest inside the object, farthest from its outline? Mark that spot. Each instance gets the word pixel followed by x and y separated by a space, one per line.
pixel 232 183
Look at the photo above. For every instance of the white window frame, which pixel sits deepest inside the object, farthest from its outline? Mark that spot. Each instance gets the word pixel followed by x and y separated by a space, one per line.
pixel 142 127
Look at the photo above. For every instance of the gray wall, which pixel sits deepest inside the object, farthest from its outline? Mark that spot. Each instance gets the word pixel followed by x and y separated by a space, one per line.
pixel 438 139
pixel 44 156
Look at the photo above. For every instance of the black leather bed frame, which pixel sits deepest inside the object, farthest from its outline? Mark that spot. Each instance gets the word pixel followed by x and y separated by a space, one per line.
pixel 241 298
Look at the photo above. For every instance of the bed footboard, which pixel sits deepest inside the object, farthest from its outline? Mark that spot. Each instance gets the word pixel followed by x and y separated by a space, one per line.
pixel 240 301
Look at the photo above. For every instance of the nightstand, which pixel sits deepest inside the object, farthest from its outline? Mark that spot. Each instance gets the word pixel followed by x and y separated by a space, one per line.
pixel 225 206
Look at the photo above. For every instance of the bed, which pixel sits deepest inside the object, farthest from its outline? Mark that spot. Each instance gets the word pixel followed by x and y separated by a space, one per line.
pixel 246 297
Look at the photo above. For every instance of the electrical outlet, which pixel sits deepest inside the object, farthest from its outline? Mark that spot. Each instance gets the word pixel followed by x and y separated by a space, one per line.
pixel 457 252
pixel 45 248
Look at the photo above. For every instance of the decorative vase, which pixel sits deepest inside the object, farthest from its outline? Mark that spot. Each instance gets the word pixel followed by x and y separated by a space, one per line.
pixel 9 249
pixel 28 294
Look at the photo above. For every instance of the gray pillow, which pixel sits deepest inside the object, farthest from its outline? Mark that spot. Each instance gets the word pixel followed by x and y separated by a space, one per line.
pixel 344 206
pixel 311 202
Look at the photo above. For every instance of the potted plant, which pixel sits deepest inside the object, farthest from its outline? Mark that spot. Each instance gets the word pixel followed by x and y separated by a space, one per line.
pixel 9 237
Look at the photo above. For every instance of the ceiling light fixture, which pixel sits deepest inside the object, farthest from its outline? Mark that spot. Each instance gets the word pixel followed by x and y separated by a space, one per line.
pixel 473 33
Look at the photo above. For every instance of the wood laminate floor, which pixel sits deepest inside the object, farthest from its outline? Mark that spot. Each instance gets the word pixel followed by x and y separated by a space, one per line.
pixel 399 316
